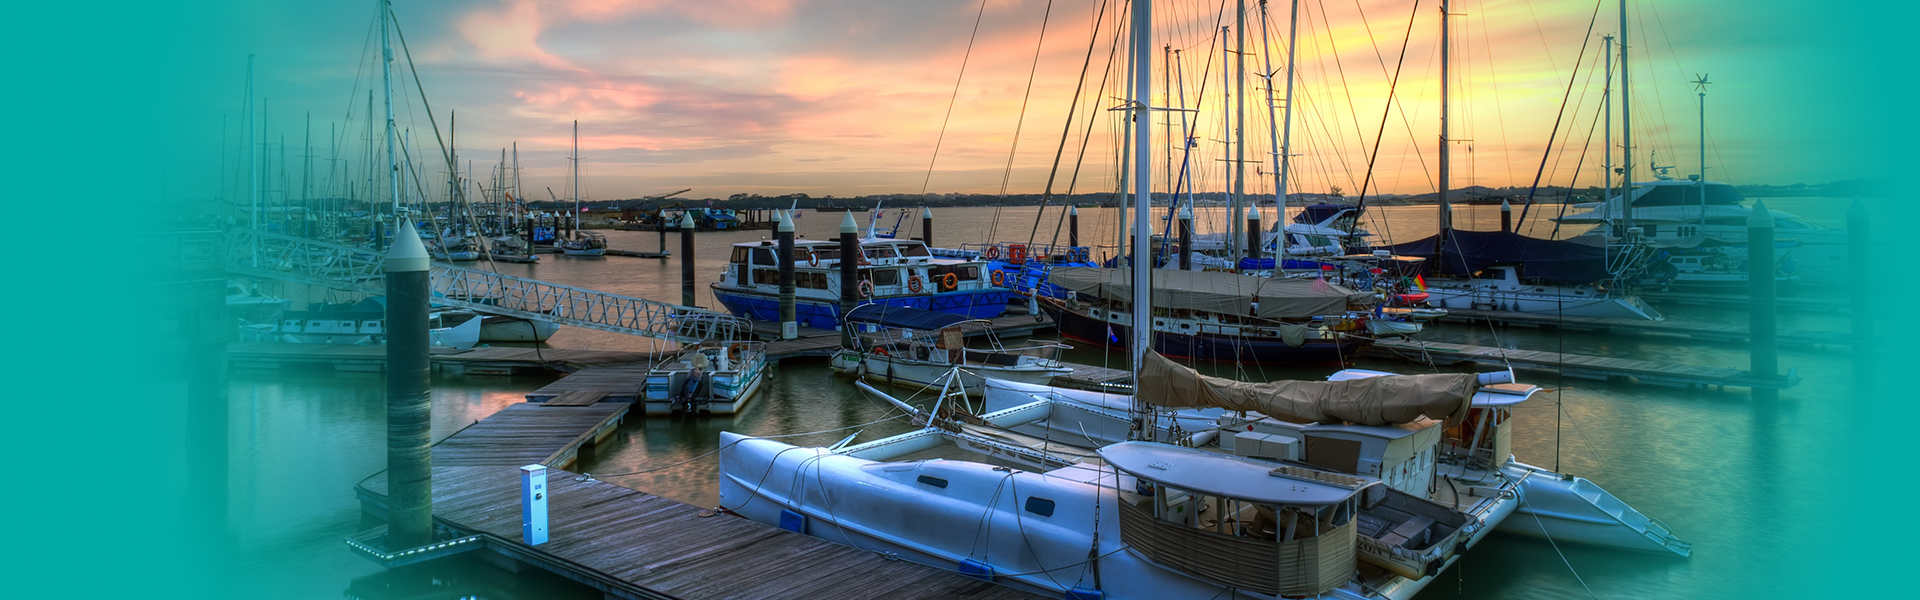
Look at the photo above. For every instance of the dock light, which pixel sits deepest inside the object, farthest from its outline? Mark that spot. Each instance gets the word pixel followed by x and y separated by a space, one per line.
pixel 533 504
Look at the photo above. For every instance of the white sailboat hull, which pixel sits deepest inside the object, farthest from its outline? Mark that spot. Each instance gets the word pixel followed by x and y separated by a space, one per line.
pixel 1604 306
pixel 495 328
pixel 911 373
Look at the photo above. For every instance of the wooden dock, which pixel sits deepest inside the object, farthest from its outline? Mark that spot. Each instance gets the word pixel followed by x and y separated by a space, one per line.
pixel 529 433
pixel 1701 331
pixel 1806 303
pixel 1098 379
pixel 638 253
pixel 631 544
pixel 1581 366
pixel 624 542
pixel 617 384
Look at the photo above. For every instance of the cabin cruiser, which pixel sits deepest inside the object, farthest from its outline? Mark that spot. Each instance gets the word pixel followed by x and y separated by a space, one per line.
pixel 917 348
pixel 1501 288
pixel 1670 212
pixel 585 243
pixel 890 272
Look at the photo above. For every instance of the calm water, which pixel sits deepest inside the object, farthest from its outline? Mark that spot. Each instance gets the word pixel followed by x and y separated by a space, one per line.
pixel 1746 483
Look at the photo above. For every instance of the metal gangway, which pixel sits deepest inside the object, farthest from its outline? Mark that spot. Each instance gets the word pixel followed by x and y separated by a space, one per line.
pixel 267 255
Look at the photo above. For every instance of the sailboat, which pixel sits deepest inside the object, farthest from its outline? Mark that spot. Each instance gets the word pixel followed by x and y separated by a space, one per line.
pixel 584 243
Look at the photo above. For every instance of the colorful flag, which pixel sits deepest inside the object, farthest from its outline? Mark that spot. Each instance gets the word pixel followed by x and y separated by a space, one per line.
pixel 1111 338
pixel 1420 282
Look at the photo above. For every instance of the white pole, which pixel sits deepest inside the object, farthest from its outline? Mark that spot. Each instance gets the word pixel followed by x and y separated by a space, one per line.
pixel 1142 328
pixel 386 71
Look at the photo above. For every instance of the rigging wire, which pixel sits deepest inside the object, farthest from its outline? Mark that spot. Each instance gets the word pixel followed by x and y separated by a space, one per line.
pixel 954 99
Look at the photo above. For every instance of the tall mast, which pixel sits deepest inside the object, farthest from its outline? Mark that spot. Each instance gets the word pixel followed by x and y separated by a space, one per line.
pixel 253 182
pixel 1446 214
pixel 576 178
pixel 1626 129
pixel 1284 144
pixel 1240 122
pixel 1226 124
pixel 386 76
pixel 1142 325
pixel 1606 108
pixel 306 176
pixel 517 197
pixel 1702 185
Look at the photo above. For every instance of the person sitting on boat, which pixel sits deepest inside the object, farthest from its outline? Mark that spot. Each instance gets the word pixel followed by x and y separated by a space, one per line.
pixel 689 390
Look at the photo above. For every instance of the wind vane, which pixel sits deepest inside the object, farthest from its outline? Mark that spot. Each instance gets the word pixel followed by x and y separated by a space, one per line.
pixel 1700 83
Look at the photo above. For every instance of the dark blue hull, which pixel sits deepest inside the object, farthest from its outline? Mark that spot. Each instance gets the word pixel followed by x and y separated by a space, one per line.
pixel 826 315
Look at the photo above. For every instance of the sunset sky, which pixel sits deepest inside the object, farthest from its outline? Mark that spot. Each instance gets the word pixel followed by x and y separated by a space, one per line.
pixel 847 97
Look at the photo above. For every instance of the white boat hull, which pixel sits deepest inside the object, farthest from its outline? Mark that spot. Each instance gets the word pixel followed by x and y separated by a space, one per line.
pixel 1605 306
pixel 495 328
pixel 877 368
pixel 1573 509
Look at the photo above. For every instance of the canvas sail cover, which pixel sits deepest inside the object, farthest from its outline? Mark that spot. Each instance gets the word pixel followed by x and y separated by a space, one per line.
pixel 1372 401
pixel 1576 260
pixel 1218 292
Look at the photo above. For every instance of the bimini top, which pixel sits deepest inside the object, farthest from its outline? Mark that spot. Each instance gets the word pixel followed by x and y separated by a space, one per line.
pixel 1230 476
pixel 903 317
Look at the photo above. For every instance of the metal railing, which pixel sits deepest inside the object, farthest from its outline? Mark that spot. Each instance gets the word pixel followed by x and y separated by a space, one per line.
pixel 291 258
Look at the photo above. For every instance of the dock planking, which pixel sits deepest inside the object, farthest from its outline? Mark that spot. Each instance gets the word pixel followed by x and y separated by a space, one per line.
pixel 633 544
pixel 473 360
pixel 1099 379
pixel 1701 331
pixel 528 433
pixel 1582 366
pixel 617 384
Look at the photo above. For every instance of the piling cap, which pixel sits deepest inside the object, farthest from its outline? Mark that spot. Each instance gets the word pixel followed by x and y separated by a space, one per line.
pixel 1073 210
pixel 846 223
pixel 926 212
pixel 1760 217
pixel 1857 212
pixel 686 220
pixel 786 223
pixel 1186 213
pixel 407 253
pixel 1253 212
pixel 1504 207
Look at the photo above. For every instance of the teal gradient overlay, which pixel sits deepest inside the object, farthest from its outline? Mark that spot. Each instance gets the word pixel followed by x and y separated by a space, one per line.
pixel 114 125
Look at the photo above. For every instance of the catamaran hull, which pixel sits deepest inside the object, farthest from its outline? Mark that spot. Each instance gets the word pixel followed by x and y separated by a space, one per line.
pixel 972 520
pixel 1573 509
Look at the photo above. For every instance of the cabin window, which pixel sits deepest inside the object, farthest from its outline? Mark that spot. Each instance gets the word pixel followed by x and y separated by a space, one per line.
pixel 764 257
pixel 878 252
pixel 886 277
pixel 739 255
pixel 1039 506
pixel 914 250
pixel 937 482
pixel 1650 229
pixel 826 253
pixel 817 281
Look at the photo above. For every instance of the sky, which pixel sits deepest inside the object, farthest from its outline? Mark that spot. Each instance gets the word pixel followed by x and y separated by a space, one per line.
pixel 853 97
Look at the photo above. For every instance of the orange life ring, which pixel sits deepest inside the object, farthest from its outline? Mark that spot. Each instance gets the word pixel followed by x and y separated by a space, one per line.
pixel 866 288
pixel 999 278
pixel 992 253
pixel 949 282
pixel 813 260
pixel 1016 253
pixel 913 283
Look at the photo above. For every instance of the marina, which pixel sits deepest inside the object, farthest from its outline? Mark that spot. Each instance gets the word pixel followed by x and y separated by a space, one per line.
pixel 1146 333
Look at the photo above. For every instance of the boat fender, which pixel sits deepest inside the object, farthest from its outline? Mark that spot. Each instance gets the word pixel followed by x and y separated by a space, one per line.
pixel 866 289
pixel 920 352
pixel 913 283
pixel 949 282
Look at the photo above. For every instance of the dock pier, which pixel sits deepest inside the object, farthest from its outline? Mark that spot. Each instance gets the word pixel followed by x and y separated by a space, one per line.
pixel 625 542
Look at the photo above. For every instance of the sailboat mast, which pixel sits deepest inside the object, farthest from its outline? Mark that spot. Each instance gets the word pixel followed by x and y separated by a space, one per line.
pixel 1606 145
pixel 1284 144
pixel 1446 212
pixel 1142 325
pixel 1240 124
pixel 386 76
pixel 253 181
pixel 1626 129
pixel 576 179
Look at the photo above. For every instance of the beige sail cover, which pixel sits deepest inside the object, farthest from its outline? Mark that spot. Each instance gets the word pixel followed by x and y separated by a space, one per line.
pixel 1217 292
pixel 1371 401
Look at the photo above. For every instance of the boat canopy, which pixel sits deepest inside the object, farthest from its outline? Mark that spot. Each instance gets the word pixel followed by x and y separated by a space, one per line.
pixel 1217 292
pixel 1227 476
pixel 1576 260
pixel 903 317
pixel 1371 401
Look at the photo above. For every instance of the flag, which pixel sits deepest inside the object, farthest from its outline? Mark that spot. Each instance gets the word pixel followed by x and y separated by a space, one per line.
pixel 1420 282
pixel 1111 338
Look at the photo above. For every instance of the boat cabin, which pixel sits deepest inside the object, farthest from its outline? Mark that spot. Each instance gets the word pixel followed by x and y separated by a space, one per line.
pixel 939 338
pixel 1271 528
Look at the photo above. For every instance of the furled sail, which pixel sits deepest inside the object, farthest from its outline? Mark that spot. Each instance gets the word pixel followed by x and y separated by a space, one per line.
pixel 1371 401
